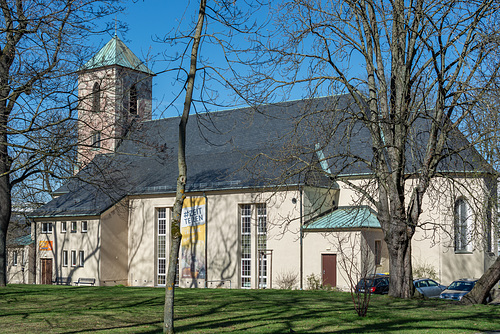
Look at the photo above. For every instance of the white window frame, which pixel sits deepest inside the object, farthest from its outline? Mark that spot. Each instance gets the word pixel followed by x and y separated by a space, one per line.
pixel 161 246
pixel 46 228
pixel 84 226
pixel 262 244
pixel 14 258
pixel 73 258
pixel 64 227
pixel 81 258
pixel 74 227
pixel 246 246
pixel 462 226
pixel 64 258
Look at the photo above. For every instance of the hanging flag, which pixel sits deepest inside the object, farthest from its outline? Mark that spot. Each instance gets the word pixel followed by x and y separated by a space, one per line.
pixel 193 223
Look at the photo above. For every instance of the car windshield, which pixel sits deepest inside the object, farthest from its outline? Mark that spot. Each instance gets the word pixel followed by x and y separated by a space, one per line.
pixel 461 286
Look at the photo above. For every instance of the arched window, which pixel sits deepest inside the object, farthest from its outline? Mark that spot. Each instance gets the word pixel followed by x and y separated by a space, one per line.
pixel 462 225
pixel 96 97
pixel 133 100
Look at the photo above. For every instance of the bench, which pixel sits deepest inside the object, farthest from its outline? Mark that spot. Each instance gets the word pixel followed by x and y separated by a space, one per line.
pixel 83 280
pixel 62 281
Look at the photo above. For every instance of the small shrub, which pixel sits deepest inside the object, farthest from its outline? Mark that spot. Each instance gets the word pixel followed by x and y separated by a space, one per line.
pixel 424 270
pixel 286 280
pixel 314 282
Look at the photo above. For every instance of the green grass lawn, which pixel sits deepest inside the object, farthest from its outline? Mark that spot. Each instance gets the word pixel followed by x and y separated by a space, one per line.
pixel 61 309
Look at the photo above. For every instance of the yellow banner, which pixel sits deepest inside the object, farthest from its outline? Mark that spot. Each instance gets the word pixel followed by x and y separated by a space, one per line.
pixel 192 235
pixel 193 238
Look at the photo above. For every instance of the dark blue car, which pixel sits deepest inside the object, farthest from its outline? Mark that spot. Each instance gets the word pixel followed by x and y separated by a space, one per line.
pixel 378 284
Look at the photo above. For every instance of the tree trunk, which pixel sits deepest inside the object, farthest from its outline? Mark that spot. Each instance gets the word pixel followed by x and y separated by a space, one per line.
pixel 5 207
pixel 3 252
pixel 484 285
pixel 175 229
pixel 170 284
pixel 400 268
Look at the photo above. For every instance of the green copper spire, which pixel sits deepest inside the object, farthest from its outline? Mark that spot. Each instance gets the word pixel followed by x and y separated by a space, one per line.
pixel 115 52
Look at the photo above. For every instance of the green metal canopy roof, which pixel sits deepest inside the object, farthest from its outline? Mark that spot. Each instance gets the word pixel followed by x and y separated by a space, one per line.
pixel 345 217
pixel 115 52
pixel 22 241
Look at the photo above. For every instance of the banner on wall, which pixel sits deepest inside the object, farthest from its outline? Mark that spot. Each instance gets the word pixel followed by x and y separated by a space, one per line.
pixel 45 245
pixel 193 224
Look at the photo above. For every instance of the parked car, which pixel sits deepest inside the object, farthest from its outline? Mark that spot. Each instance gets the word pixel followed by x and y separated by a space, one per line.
pixel 458 289
pixel 374 284
pixel 428 287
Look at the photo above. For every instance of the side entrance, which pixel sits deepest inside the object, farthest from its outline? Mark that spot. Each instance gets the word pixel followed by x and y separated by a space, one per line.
pixel 46 266
pixel 329 265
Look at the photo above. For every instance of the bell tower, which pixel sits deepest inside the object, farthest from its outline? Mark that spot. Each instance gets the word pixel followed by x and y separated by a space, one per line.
pixel 114 92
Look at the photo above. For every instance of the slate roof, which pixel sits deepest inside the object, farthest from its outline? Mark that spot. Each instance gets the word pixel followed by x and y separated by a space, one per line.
pixel 115 52
pixel 237 149
pixel 344 217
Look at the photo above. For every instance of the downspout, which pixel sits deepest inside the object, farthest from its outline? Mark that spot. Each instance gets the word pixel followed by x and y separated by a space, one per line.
pixel 301 238
pixel 35 251
pixel 206 240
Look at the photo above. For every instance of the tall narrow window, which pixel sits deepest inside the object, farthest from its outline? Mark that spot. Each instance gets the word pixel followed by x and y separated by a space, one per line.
pixel 96 97
pixel 378 252
pixel 462 225
pixel 84 226
pixel 133 100
pixel 488 231
pixel 63 227
pixel 161 246
pixel 81 258
pixel 73 258
pixel 65 258
pixel 246 245
pixel 96 139
pixel 14 258
pixel 262 244
pixel 73 227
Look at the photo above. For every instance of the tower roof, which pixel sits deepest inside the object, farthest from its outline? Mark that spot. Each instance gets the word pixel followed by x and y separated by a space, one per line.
pixel 115 52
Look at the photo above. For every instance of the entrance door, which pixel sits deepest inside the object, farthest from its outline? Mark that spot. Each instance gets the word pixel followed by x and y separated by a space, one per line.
pixel 46 271
pixel 329 263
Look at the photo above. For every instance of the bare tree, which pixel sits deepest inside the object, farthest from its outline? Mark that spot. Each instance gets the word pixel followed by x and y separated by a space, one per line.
pixel 232 20
pixel 404 64
pixel 175 228
pixel 40 49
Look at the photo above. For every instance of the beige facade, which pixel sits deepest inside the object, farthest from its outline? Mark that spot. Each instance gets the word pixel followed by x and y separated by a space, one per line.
pixel 121 246
pixel 20 264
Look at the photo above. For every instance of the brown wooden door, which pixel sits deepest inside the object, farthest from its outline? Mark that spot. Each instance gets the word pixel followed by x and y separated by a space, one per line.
pixel 329 264
pixel 46 271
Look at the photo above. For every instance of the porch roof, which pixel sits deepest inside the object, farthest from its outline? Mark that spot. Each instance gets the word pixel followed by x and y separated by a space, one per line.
pixel 345 217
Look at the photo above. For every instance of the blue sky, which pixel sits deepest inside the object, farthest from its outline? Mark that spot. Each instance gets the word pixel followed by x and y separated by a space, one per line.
pixel 146 20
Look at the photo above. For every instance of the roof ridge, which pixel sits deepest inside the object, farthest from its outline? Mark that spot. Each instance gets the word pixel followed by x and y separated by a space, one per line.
pixel 271 104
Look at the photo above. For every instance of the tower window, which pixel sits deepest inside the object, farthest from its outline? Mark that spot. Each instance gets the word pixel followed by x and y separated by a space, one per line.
pixel 96 139
pixel 133 100
pixel 96 97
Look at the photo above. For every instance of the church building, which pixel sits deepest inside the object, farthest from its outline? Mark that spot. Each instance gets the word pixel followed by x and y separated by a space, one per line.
pixel 261 210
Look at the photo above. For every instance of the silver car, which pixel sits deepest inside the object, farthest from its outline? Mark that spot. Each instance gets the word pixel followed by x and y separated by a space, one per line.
pixel 428 287
pixel 458 289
